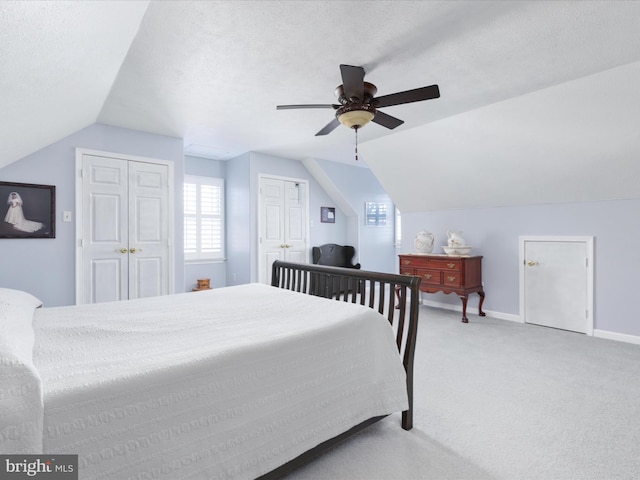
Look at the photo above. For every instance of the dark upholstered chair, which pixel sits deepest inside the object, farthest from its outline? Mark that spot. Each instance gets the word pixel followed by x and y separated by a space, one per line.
pixel 334 255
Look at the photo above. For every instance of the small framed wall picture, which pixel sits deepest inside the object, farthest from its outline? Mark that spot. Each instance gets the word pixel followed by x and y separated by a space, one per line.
pixel 30 210
pixel 327 214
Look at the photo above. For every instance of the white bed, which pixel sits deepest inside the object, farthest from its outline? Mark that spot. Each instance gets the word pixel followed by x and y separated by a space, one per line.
pixel 226 383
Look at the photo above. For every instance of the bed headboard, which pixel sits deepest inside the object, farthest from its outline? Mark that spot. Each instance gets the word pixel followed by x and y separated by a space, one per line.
pixel 395 296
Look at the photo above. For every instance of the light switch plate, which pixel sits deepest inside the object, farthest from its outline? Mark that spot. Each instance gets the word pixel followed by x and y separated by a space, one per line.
pixel 66 216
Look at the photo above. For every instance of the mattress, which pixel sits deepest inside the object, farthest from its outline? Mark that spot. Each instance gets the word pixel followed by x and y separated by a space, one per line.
pixel 224 383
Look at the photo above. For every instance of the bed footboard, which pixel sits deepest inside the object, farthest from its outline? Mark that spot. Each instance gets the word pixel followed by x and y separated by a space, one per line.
pixel 395 296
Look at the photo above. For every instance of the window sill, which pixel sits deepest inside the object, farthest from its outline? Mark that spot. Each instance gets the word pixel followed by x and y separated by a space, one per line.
pixel 204 260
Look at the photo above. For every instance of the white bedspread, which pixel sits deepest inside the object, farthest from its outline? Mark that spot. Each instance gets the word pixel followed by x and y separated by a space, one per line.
pixel 225 383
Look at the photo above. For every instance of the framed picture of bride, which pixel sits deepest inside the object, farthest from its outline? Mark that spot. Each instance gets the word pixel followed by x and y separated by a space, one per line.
pixel 27 210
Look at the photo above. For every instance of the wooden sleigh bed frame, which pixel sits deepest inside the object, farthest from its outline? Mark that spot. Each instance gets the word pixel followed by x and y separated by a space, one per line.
pixel 395 296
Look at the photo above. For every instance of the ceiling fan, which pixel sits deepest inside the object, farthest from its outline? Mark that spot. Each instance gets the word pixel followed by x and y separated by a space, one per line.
pixel 359 106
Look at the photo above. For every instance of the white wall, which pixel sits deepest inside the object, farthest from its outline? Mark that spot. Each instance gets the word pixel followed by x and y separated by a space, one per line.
pixel 494 232
pixel 573 142
pixel 46 267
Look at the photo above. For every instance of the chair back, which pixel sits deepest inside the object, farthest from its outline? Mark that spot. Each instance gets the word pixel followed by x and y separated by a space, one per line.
pixel 334 255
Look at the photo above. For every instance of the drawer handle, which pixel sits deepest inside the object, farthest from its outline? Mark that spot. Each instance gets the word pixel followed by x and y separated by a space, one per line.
pixel 451 279
pixel 407 262
pixel 451 265
pixel 428 276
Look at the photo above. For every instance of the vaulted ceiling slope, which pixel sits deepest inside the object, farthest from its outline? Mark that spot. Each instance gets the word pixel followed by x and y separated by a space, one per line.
pixel 58 62
pixel 515 79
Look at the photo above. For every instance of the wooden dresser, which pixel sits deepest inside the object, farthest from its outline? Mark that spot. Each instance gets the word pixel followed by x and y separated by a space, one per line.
pixel 448 274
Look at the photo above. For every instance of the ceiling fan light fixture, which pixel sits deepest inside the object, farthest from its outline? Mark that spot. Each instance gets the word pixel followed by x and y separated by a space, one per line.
pixel 356 118
pixel 358 104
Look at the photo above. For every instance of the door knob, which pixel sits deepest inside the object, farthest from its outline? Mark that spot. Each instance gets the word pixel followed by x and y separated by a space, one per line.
pixel 531 263
pixel 134 250
pixel 122 250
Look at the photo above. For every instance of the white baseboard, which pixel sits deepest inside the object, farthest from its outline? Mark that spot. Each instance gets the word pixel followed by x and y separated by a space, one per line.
pixel 458 308
pixel 620 337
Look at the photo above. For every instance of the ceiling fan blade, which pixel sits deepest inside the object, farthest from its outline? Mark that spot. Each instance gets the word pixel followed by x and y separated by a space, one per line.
pixel 329 127
pixel 388 121
pixel 409 96
pixel 352 81
pixel 291 107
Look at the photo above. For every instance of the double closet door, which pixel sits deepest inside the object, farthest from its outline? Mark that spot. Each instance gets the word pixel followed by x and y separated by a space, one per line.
pixel 125 243
pixel 283 223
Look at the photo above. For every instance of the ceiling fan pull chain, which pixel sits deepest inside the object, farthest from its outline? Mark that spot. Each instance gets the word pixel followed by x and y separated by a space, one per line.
pixel 356 129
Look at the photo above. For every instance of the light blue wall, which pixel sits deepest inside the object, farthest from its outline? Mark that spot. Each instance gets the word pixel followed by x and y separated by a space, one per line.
pixel 46 267
pixel 376 250
pixel 320 233
pixel 242 193
pixel 238 217
pixel 215 271
pixel 204 167
pixel 494 233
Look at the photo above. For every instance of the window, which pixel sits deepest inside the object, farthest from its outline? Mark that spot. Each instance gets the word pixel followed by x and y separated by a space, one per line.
pixel 398 242
pixel 375 214
pixel 203 218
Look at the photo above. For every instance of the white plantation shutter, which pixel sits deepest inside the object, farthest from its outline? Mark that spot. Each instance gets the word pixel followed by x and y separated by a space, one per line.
pixel 398 242
pixel 203 218
pixel 376 214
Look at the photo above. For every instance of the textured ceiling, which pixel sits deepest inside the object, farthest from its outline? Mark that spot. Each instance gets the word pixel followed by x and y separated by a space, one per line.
pixel 212 73
pixel 58 62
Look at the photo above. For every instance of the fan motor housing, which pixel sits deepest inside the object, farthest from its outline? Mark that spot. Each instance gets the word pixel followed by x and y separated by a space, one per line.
pixel 370 91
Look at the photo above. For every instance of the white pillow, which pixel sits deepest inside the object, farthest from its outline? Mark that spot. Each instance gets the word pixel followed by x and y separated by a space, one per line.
pixel 21 405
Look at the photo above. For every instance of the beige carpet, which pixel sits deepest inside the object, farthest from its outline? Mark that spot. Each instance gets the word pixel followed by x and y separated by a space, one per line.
pixel 503 400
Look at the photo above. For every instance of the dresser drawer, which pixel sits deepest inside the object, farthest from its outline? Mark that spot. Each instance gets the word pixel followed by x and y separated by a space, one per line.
pixel 408 263
pixel 438 263
pixel 432 277
pixel 451 279
pixel 407 270
pixel 444 264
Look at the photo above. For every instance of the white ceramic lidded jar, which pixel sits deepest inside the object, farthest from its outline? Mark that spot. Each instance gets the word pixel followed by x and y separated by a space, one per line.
pixel 424 242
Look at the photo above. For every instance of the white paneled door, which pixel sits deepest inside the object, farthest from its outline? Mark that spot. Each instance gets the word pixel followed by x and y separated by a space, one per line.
pixel 557 283
pixel 125 243
pixel 283 223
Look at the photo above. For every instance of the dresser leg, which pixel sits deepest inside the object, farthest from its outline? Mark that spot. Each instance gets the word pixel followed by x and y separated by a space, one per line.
pixel 480 312
pixel 464 309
